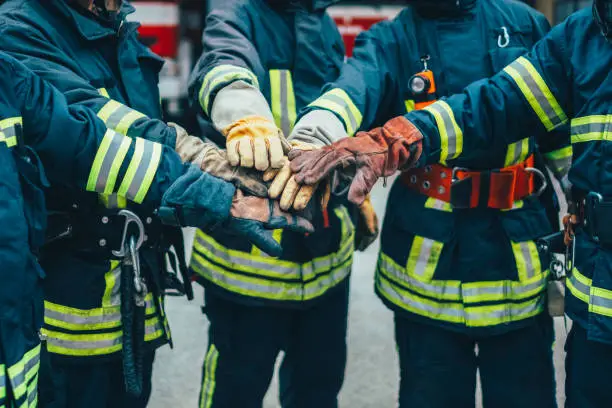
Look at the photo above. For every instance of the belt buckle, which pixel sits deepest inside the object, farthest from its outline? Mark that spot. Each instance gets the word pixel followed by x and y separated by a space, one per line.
pixel 591 201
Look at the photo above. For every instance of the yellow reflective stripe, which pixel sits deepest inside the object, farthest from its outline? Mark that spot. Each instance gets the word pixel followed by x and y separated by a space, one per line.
pixel 517 152
pixel 8 130
pixel 141 170
pixel 560 161
pixel 82 345
pixel 119 117
pixel 282 100
pixel 340 103
pixel 562 153
pixel 23 371
pixel 451 135
pixel 599 300
pixel 517 205
pixel 104 92
pixel 220 75
pixel 410 105
pixel 2 384
pixel 107 162
pixel 591 129
pixel 471 316
pixel 210 372
pixel 435 204
pixel 154 329
pixel 111 296
pixel 537 93
pixel 527 260
pixel 423 258
pixel 112 201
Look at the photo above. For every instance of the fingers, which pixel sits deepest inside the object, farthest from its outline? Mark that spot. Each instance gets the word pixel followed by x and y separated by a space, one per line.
pixel 260 154
pixel 303 197
pixel 289 194
pixel 270 174
pixel 232 152
pixel 280 182
pixel 252 186
pixel 245 150
pixel 264 240
pixel 361 185
pixel 301 225
pixel 275 149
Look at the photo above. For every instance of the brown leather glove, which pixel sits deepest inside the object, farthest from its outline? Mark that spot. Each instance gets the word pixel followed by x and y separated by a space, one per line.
pixel 215 162
pixel 367 225
pixel 365 157
pixel 255 218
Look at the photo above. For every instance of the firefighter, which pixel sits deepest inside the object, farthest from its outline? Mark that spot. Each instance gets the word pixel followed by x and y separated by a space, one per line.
pixel 457 272
pixel 264 60
pixel 35 118
pixel 563 80
pixel 91 54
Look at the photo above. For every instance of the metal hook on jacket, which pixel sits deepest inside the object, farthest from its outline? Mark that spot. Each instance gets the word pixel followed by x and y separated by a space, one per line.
pixel 130 245
pixel 504 38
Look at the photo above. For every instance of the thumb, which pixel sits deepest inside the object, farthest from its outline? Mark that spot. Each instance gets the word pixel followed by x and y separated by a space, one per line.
pixel 362 184
pixel 264 240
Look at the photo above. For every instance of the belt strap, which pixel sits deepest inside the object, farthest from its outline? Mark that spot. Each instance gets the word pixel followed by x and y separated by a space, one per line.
pixel 463 188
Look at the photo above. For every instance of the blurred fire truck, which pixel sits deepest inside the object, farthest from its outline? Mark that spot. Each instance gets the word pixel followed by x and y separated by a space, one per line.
pixel 173 29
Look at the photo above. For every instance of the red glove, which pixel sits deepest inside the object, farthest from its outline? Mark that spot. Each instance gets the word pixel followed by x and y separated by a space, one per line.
pixel 365 157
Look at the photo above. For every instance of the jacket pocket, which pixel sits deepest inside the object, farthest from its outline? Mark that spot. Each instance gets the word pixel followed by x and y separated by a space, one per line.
pixel 502 57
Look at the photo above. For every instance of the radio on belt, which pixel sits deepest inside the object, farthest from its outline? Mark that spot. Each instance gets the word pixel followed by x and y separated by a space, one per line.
pixel 423 86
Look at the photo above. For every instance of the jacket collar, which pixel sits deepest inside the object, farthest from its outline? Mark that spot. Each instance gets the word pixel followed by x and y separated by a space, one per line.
pixel 88 27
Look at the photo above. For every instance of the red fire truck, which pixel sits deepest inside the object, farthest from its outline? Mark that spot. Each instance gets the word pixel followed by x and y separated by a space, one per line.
pixel 173 29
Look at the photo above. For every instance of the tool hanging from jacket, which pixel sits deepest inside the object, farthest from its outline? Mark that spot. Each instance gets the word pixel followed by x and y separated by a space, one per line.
pixel 133 293
pixel 423 86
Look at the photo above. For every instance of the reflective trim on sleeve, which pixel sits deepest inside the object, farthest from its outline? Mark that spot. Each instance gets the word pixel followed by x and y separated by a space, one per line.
pixel 591 129
pixel 2 385
pixel 107 163
pixel 435 204
pixel 537 93
pixel 451 135
pixel 141 170
pixel 8 130
pixel 423 258
pixel 210 372
pixel 340 103
pixel 599 300
pixel 527 260
pixel 560 161
pixel 282 100
pixel 517 152
pixel 222 75
pixel 22 374
pixel 119 117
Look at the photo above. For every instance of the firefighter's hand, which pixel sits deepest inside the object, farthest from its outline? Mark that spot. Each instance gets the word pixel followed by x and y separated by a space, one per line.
pixel 367 225
pixel 284 187
pixel 257 142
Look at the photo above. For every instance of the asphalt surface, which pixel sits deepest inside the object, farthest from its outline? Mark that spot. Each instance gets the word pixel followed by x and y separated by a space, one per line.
pixel 372 372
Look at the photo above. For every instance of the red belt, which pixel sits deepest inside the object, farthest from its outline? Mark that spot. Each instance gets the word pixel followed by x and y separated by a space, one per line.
pixel 463 188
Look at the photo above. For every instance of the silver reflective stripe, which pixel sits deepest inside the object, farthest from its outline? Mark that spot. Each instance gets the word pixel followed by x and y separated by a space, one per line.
pixel 505 291
pixel 518 152
pixel 540 97
pixel 449 132
pixel 439 291
pixel 282 290
pixel 601 302
pixel 284 271
pixel 439 204
pixel 529 267
pixel 584 289
pixel 331 261
pixel 33 396
pixel 114 148
pixel 92 344
pixel 354 122
pixel 83 320
pixel 143 166
pixel 210 367
pixel 425 253
pixel 587 128
pixel 327 281
pixel 508 313
pixel 286 124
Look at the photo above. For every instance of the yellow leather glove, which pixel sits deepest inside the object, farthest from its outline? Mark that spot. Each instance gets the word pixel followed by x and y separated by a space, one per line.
pixel 367 225
pixel 284 187
pixel 255 141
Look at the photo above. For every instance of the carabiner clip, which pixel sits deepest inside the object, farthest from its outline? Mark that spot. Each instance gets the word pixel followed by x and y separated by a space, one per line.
pixel 130 218
pixel 542 178
pixel 505 36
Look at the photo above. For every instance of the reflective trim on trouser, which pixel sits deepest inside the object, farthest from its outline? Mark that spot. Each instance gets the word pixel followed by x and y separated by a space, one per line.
pixel 461 302
pixel 22 378
pixel 208 385
pixel 220 76
pixel 451 135
pixel 537 93
pixel 599 300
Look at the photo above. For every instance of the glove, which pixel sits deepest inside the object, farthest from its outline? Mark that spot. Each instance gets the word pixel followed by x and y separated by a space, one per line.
pixel 284 186
pixel 255 141
pixel 367 226
pixel 214 161
pixel 365 158
pixel 254 218
pixel 197 199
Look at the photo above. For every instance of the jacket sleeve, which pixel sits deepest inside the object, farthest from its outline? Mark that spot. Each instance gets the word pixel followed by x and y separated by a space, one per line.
pixel 531 95
pixel 49 62
pixel 365 86
pixel 229 56
pixel 78 150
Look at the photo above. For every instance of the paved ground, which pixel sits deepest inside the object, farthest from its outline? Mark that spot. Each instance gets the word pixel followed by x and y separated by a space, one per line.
pixel 372 374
